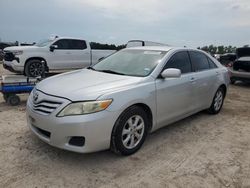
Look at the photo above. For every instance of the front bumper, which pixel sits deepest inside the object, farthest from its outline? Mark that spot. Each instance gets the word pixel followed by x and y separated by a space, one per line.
pixel 13 66
pixel 95 128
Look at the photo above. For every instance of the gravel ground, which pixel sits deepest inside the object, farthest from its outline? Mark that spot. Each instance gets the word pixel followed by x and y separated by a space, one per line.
pixel 199 151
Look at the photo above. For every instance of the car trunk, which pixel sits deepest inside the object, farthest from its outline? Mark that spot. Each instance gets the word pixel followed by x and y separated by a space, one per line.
pixel 243 59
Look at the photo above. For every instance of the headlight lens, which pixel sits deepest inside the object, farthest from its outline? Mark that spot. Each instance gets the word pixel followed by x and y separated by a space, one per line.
pixel 19 52
pixel 80 108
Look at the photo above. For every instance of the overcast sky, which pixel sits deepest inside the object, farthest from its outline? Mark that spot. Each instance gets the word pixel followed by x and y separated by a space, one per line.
pixel 177 22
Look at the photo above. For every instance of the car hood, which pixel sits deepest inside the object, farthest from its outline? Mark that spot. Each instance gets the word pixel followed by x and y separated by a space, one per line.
pixel 17 48
pixel 85 84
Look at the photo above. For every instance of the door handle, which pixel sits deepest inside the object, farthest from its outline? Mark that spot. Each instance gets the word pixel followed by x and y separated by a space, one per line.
pixel 68 52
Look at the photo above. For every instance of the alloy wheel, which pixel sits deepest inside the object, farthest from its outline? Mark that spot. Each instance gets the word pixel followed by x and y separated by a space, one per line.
pixel 36 69
pixel 133 131
pixel 218 100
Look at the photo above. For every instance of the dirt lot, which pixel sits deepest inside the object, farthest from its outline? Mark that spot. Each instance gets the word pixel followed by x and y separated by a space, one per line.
pixel 200 151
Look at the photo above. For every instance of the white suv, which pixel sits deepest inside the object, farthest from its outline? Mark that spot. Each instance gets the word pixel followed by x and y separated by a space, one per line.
pixel 60 53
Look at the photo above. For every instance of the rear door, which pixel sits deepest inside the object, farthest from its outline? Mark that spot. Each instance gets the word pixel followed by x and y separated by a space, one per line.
pixel 80 54
pixel 69 54
pixel 174 95
pixel 203 79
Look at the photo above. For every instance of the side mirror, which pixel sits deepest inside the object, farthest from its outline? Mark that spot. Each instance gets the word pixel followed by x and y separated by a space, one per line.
pixel 53 47
pixel 171 73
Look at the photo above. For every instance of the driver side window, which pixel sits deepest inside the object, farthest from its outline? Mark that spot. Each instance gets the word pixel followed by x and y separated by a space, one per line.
pixel 180 60
pixel 62 44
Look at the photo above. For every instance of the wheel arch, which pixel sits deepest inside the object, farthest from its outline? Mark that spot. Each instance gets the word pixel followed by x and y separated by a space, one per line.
pixel 37 58
pixel 224 87
pixel 147 110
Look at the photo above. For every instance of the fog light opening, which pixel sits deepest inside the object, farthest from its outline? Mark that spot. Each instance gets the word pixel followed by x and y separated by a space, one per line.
pixel 78 141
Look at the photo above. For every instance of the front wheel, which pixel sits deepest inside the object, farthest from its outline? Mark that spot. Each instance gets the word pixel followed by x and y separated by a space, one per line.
pixel 130 131
pixel 217 102
pixel 34 68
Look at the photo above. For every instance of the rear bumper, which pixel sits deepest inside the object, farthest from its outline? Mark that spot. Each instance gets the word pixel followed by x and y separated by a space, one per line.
pixel 239 75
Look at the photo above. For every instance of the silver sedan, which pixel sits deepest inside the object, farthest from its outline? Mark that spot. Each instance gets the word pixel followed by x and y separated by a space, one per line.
pixel 117 102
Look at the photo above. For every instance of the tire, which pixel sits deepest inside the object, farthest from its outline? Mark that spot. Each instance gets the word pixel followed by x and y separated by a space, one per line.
pixel 127 135
pixel 13 100
pixel 218 101
pixel 232 81
pixel 34 68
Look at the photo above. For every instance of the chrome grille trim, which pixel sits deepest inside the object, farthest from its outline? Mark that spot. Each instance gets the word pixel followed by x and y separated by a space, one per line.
pixel 46 107
pixel 45 104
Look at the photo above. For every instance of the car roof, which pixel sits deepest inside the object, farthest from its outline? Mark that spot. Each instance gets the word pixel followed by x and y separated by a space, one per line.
pixel 71 38
pixel 161 48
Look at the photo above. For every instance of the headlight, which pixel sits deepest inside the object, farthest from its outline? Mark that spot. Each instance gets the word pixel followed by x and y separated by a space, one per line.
pixel 19 52
pixel 80 108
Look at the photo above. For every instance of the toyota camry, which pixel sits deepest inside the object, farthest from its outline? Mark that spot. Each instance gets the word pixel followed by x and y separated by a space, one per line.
pixel 116 103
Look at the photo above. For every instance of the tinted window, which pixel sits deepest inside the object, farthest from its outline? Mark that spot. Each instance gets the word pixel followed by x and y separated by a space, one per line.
pixel 199 61
pixel 62 44
pixel 181 61
pixel 71 44
pixel 78 44
pixel 212 65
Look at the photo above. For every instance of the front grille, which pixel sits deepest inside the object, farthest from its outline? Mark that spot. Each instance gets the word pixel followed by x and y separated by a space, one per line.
pixel 42 132
pixel 46 107
pixel 8 56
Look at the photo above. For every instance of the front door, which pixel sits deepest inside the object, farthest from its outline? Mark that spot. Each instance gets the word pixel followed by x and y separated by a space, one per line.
pixel 175 95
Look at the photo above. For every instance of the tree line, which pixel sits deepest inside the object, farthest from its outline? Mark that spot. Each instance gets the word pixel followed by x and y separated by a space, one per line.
pixel 211 48
pixel 219 49
pixel 99 46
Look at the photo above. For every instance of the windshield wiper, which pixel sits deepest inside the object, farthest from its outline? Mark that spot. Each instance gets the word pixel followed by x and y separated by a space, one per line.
pixel 110 71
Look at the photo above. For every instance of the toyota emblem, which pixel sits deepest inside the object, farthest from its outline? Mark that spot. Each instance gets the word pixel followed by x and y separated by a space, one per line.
pixel 35 96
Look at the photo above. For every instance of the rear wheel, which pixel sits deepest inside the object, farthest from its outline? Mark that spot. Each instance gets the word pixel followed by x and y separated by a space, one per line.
pixel 34 68
pixel 232 81
pixel 217 101
pixel 130 131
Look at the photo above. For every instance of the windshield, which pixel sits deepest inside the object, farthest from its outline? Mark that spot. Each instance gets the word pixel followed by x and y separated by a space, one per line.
pixel 131 62
pixel 44 42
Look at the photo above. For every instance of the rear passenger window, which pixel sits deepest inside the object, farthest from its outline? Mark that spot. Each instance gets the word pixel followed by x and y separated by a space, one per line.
pixel 71 44
pixel 181 61
pixel 78 45
pixel 199 61
pixel 212 65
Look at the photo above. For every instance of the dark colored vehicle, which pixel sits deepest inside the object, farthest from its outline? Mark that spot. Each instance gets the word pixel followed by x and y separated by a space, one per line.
pixel 227 59
pixel 241 66
pixel 1 55
pixel 2 46
pixel 243 59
